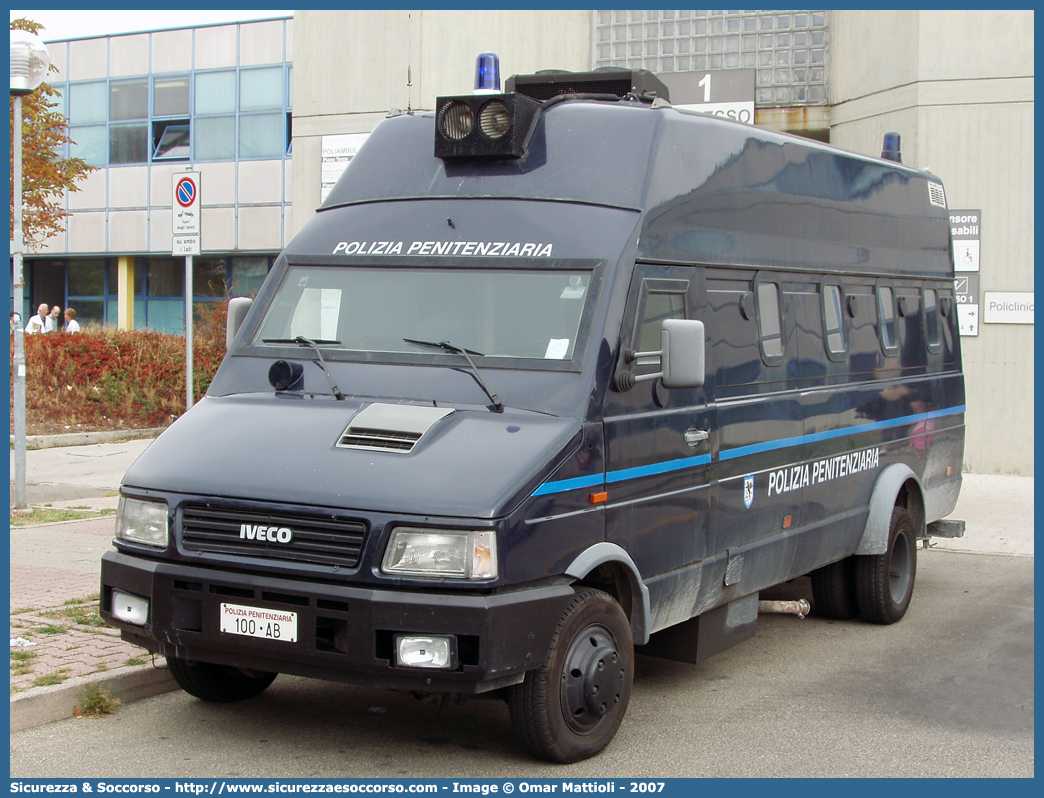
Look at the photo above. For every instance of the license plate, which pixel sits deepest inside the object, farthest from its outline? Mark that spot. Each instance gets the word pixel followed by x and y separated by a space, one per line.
pixel 259 622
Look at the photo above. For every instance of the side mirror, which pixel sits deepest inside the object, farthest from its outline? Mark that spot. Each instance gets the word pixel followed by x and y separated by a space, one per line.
pixel 682 350
pixel 237 310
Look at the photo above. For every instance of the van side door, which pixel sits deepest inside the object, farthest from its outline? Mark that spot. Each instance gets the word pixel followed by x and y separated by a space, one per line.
pixel 660 443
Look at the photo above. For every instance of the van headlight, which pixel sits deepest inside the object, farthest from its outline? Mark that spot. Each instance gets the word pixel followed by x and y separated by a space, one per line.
pixel 454 553
pixel 141 522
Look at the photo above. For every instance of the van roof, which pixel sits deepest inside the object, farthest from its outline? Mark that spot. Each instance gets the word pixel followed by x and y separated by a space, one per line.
pixel 710 190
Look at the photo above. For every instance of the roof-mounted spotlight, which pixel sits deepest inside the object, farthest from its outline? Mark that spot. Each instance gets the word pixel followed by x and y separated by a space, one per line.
pixel 484 125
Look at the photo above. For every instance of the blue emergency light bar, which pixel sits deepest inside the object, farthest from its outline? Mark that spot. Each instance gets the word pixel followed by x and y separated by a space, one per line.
pixel 487 74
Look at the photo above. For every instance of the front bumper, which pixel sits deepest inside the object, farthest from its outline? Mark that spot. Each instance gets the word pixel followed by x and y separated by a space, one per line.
pixel 345 633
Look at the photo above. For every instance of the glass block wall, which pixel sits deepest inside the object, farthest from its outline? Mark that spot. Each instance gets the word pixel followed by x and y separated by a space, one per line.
pixel 789 49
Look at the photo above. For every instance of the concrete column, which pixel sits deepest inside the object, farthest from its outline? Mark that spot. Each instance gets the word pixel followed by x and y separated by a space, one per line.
pixel 125 293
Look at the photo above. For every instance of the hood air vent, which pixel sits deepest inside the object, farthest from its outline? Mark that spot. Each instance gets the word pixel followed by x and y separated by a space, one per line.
pixel 390 428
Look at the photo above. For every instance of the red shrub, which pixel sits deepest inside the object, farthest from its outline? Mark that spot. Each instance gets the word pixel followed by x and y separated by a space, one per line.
pixel 101 378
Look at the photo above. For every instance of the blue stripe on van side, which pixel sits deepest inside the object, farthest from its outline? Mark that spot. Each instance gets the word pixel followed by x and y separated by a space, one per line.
pixel 657 468
pixel 563 485
pixel 784 443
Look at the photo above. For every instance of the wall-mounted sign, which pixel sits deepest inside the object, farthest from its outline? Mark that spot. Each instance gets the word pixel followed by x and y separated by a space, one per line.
pixel 338 152
pixel 964 230
pixel 1007 307
pixel 966 292
pixel 728 93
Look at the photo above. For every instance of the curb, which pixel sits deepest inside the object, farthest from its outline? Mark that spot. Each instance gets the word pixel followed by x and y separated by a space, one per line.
pixel 87 438
pixel 48 704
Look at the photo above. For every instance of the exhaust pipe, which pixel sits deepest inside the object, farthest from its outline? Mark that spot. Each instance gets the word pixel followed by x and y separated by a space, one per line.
pixel 800 608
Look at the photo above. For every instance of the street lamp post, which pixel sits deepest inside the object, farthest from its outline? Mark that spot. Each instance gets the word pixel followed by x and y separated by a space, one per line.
pixel 29 64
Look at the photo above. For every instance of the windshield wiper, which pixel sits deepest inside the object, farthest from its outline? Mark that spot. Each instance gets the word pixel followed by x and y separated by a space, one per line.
pixel 498 406
pixel 302 341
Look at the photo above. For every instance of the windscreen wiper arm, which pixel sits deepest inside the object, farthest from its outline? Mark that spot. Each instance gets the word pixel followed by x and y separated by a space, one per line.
pixel 498 406
pixel 302 341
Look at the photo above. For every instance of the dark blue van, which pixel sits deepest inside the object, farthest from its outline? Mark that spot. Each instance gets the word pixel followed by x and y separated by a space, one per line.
pixel 547 378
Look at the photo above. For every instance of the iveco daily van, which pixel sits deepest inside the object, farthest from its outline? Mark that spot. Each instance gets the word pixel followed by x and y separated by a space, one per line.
pixel 554 373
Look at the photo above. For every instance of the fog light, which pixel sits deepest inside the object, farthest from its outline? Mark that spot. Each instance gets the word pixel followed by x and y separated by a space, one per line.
pixel 432 651
pixel 129 608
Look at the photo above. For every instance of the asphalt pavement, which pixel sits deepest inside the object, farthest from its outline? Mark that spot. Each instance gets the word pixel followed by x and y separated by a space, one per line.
pixel 60 649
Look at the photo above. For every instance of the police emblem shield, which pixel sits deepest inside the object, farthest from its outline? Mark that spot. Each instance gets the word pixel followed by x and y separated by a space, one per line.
pixel 748 490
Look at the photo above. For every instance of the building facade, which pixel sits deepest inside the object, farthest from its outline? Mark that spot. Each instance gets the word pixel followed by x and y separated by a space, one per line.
pixel 957 85
pixel 143 107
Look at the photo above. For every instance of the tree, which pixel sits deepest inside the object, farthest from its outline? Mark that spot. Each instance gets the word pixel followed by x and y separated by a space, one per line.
pixel 46 175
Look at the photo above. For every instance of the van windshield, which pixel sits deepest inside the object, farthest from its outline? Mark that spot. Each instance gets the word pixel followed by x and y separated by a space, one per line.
pixel 532 314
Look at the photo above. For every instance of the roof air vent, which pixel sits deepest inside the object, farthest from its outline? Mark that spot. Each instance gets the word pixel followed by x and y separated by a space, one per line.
pixel 390 428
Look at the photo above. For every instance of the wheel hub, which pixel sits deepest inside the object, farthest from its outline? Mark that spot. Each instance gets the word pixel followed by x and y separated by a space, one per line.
pixel 592 679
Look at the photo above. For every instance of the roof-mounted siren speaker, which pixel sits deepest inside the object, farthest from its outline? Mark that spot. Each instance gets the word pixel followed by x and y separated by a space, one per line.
pixel 484 125
pixel 609 80
pixel 892 151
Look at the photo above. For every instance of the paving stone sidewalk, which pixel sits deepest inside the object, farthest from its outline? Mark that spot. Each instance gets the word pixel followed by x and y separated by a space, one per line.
pixel 59 645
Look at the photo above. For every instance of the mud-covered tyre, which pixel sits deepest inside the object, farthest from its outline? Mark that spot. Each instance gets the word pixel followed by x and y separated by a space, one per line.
pixel 885 582
pixel 570 708
pixel 218 683
pixel 834 590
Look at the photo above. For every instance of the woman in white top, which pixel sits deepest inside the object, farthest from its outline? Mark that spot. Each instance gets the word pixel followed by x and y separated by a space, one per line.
pixel 71 325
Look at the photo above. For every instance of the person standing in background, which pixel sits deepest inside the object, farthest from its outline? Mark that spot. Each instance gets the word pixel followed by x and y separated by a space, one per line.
pixel 71 325
pixel 54 319
pixel 38 323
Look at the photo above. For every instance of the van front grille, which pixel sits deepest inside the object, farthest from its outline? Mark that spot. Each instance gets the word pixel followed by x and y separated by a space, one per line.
pixel 319 539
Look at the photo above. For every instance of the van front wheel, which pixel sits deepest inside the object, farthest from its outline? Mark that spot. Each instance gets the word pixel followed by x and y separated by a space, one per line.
pixel 570 708
pixel 218 683
pixel 885 582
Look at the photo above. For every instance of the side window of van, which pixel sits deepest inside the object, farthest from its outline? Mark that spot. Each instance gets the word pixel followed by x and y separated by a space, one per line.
pixel 930 315
pixel 661 299
pixel 770 326
pixel 834 337
pixel 887 329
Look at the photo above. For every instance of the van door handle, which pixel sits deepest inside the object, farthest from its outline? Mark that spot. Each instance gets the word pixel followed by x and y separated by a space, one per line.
pixel 695 436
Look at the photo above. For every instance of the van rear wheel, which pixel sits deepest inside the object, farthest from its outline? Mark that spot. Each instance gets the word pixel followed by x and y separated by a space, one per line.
pixel 834 590
pixel 570 708
pixel 218 683
pixel 885 582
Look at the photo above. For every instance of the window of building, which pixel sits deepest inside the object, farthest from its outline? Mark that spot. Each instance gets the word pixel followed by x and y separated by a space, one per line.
pixel 129 143
pixel 261 89
pixel 208 277
pixel 261 135
pixel 86 278
pixel 215 92
pixel 88 103
pixel 171 140
pixel 247 274
pixel 129 99
pixel 90 143
pixel 216 138
pixel 170 96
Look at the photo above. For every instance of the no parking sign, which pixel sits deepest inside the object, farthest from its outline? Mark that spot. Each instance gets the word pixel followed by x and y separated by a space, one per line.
pixel 185 217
